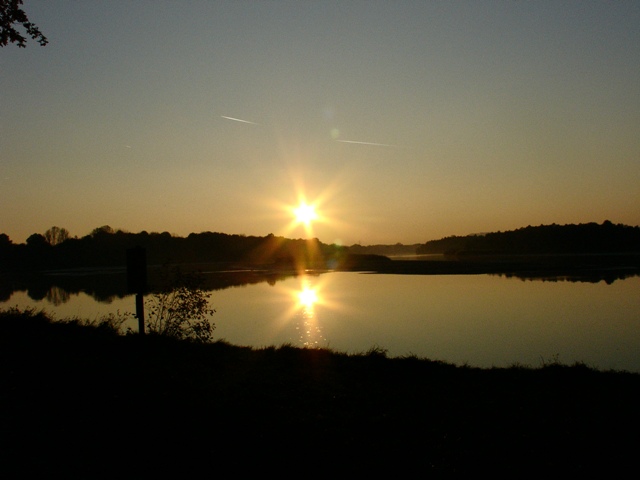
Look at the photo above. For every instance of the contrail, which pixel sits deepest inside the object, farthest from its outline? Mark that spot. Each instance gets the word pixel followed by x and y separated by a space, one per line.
pixel 239 120
pixel 367 143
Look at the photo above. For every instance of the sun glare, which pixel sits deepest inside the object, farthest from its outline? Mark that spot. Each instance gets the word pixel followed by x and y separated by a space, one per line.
pixel 309 210
pixel 307 297
pixel 305 213
pixel 308 301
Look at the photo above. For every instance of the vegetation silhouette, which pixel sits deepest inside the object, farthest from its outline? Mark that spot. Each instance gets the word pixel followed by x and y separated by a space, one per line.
pixel 588 238
pixel 11 15
pixel 94 264
pixel 107 285
pixel 105 247
pixel 56 235
pixel 78 398
pixel 180 308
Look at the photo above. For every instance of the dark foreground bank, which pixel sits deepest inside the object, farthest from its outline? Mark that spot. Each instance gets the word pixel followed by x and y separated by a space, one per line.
pixel 88 403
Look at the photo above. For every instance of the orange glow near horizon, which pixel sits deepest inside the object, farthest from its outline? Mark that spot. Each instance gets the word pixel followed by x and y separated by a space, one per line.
pixel 309 210
pixel 303 213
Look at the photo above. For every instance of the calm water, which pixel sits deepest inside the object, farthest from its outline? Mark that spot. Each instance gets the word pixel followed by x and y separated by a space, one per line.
pixel 482 320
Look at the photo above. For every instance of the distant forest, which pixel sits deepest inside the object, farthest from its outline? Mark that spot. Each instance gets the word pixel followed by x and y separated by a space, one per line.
pixel 106 247
pixel 587 238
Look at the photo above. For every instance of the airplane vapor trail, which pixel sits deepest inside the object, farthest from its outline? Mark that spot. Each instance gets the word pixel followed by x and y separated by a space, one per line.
pixel 366 143
pixel 239 120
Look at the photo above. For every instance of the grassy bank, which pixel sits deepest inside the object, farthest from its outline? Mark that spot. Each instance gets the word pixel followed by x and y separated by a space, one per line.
pixel 85 401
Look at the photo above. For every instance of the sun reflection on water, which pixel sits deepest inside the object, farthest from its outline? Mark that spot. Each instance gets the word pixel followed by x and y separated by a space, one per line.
pixel 307 297
pixel 308 325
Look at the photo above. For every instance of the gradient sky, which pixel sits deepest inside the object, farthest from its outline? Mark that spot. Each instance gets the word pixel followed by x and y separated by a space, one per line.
pixel 471 116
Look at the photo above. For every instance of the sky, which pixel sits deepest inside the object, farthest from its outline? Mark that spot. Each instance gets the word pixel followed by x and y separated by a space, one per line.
pixel 399 121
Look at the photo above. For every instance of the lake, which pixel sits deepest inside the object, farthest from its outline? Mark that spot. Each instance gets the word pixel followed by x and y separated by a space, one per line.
pixel 479 320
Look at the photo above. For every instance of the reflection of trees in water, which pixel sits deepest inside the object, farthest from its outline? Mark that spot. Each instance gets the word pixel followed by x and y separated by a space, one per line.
pixel 107 287
pixel 37 291
pixel 5 292
pixel 57 289
pixel 222 280
pixel 592 277
pixel 57 296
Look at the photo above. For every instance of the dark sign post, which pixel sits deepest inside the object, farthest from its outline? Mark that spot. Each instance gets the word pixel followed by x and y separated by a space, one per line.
pixel 137 280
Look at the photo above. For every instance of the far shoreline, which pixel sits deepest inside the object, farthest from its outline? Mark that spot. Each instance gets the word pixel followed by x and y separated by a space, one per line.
pixel 604 266
pixel 627 264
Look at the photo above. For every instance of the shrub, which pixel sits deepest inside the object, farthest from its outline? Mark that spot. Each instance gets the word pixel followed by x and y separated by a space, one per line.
pixel 181 308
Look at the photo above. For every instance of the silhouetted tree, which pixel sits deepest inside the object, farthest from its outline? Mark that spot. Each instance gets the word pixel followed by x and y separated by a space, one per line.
pixel 35 254
pixel 57 296
pixel 56 235
pixel 37 241
pixel 10 15
pixel 105 229
pixel 7 253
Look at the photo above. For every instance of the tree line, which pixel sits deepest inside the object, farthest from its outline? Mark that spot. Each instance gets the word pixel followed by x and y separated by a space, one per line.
pixel 587 238
pixel 106 247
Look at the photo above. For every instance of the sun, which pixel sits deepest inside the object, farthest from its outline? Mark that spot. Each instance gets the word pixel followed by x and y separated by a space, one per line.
pixel 307 209
pixel 305 213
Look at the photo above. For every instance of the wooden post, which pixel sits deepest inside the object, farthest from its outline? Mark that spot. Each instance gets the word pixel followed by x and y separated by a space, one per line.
pixel 140 312
pixel 137 280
